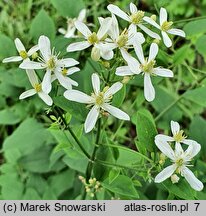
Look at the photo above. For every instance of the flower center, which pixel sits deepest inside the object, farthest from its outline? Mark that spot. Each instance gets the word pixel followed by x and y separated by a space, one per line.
pixel 148 66
pixel 92 39
pixel 37 87
pixel 100 99
pixel 122 39
pixel 23 54
pixel 166 25
pixel 179 162
pixel 64 72
pixel 51 63
pixel 178 137
pixel 136 18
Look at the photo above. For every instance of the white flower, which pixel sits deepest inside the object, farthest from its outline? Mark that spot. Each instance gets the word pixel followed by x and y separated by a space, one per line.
pixel 37 89
pixel 23 54
pixel 124 40
pixel 91 38
pixel 146 66
pixel 99 100
pixel 177 136
pixel 180 160
pixel 51 63
pixel 165 27
pixel 70 32
pixel 135 18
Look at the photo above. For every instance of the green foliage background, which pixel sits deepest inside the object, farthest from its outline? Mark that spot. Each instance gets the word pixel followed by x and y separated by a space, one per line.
pixel 39 161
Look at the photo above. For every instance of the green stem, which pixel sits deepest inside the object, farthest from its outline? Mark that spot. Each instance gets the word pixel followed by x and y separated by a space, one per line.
pixel 72 133
pixel 190 19
pixel 91 161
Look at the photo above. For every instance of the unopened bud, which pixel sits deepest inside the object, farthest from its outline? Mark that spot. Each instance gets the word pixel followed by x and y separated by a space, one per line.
pixel 156 41
pixel 106 64
pixel 125 80
pixel 154 17
pixel 34 56
pixel 95 54
pixel 175 179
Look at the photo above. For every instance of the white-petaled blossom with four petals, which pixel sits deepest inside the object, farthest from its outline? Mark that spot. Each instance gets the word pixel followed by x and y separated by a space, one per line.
pixel 146 66
pixel 91 38
pixel 180 161
pixel 165 27
pixel 99 101
pixel 23 54
pixel 49 61
pixel 177 136
pixel 71 29
pixel 135 18
pixel 123 41
pixel 37 89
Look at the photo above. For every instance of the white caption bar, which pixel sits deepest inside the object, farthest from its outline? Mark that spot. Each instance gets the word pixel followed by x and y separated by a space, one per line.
pixel 107 207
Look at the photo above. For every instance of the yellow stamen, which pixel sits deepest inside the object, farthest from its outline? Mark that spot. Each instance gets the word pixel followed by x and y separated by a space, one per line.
pixel 92 39
pixel 37 87
pixel 51 63
pixel 23 54
pixel 122 39
pixel 64 72
pixel 178 137
pixel 166 25
pixel 136 18
pixel 148 67
pixel 100 99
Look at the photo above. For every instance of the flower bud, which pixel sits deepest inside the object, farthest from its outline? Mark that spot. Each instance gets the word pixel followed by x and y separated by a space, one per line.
pixel 175 179
pixel 154 17
pixel 95 54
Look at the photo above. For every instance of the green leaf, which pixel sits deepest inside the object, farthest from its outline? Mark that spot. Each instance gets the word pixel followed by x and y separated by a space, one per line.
pixel 7 47
pixel 42 24
pixel 201 45
pixel 181 190
pixel 118 98
pixel 113 174
pixel 181 55
pixel 146 130
pixel 195 27
pixel 31 194
pixel 68 8
pixel 122 185
pixel 196 95
pixel 8 117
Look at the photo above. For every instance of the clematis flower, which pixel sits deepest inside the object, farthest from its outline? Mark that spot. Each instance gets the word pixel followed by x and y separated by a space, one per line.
pixel 99 101
pixel 135 18
pixel 37 89
pixel 23 54
pixel 177 136
pixel 71 29
pixel 123 41
pixel 180 161
pixel 49 61
pixel 146 66
pixel 91 38
pixel 165 27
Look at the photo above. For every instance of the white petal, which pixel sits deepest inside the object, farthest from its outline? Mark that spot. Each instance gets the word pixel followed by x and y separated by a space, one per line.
pixel 12 59
pixel 177 32
pixel 96 83
pixel 82 28
pixel 165 138
pixel 46 82
pixel 78 96
pixel 72 70
pixel 149 92
pixel 151 21
pixel 149 32
pixel 175 127
pixel 32 77
pixel 167 41
pixel 62 31
pixel 114 31
pixel 33 50
pixel 113 89
pixel 63 81
pixel 131 61
pixel 165 173
pixel 46 98
pixel 82 15
pixel 139 52
pixel 123 71
pixel 163 15
pixel 32 65
pixel 178 149
pixel 67 62
pixel 78 46
pixel 116 112
pixel 153 51
pixel 117 11
pixel 19 45
pixel 164 147
pixel 107 54
pixel 163 72
pixel 91 119
pixel 192 180
pixel 138 38
pixel 193 148
pixel 27 93
pixel 45 47
pixel 133 8
pixel 106 24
